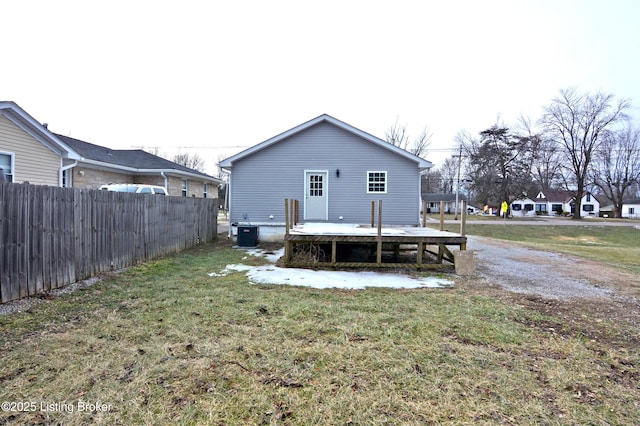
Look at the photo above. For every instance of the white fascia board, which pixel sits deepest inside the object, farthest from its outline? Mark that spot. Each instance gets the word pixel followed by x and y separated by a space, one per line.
pixel 31 126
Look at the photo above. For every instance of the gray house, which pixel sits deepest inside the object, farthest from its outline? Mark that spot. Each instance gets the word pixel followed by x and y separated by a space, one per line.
pixel 335 171
pixel 433 201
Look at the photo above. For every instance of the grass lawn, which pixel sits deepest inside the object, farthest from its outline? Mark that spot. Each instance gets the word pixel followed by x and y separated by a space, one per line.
pixel 165 343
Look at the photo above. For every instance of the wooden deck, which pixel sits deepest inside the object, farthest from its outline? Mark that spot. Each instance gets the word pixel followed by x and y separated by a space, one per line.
pixel 337 245
pixel 353 246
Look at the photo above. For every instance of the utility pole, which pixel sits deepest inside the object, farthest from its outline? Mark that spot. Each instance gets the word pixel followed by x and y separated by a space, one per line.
pixel 458 183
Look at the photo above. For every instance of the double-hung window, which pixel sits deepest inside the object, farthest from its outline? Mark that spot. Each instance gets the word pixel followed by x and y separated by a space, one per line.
pixel 377 182
pixel 185 187
pixel 6 163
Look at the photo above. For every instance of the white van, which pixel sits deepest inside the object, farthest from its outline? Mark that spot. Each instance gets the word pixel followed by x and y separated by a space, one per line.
pixel 136 188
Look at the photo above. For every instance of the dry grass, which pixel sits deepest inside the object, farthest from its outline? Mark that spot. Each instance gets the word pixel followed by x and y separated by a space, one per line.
pixel 166 343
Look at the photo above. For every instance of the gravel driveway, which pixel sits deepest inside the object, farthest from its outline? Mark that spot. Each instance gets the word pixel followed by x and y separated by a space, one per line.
pixel 546 274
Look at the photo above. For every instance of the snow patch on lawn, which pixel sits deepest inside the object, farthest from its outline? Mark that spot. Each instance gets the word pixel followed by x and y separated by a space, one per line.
pixel 271 274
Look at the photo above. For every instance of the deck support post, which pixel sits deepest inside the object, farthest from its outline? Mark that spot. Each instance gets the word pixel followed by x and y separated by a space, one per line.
pixel 420 253
pixel 379 245
pixel 463 221
pixel 373 214
pixel 440 252
pixel 424 213
pixel 441 215
pixel 288 245
pixel 286 216
pixel 334 249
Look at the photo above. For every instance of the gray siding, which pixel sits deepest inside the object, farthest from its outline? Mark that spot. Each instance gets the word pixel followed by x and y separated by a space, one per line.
pixel 261 182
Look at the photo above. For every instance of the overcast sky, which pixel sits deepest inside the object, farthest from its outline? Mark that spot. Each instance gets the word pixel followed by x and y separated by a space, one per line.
pixel 215 77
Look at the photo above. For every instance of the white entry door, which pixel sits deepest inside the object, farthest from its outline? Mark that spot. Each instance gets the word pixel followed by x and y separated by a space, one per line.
pixel 315 195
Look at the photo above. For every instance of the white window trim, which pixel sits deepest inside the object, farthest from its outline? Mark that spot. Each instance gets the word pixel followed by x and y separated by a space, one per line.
pixel 205 190
pixel 386 181
pixel 12 156
pixel 185 187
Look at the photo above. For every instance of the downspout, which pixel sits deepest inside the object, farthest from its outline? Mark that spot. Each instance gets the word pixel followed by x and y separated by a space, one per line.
pixel 64 169
pixel 166 181
pixel 228 203
pixel 420 203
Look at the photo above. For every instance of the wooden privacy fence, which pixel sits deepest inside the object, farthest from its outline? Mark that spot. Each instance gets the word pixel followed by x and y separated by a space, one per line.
pixel 51 237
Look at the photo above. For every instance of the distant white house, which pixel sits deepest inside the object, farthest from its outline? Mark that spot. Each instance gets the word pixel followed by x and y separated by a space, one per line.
pixel 631 208
pixel 559 202
pixel 522 207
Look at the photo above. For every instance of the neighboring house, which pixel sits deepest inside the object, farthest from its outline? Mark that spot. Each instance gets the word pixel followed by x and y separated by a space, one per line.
pixel 606 211
pixel 631 208
pixel 433 202
pixel 29 152
pixel 556 202
pixel 335 171
pixel 522 207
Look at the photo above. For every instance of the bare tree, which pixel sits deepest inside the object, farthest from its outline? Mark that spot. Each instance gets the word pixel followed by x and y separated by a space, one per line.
pixel 547 169
pixel 397 135
pixel 192 161
pixel 154 150
pixel 578 122
pixel 431 181
pixel 617 165
pixel 545 156
pixel 449 174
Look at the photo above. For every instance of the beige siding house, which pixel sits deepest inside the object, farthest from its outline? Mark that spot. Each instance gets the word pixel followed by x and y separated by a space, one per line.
pixel 29 152
pixel 25 156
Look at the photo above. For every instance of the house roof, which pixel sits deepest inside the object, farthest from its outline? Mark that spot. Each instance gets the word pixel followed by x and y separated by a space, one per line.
pixel 31 126
pixel 558 196
pixel 135 160
pixel 228 162
pixel 521 200
pixel 555 196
